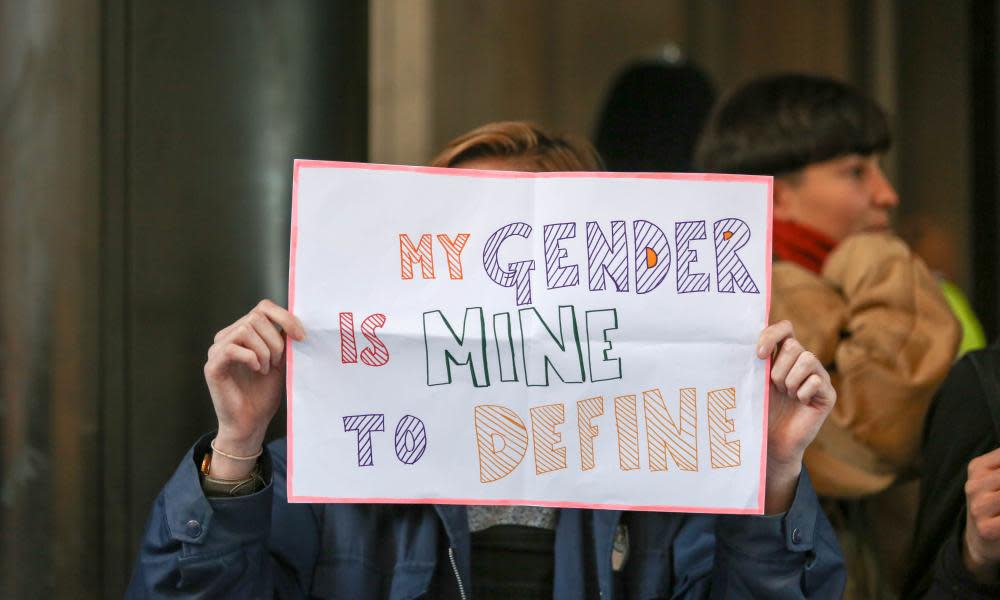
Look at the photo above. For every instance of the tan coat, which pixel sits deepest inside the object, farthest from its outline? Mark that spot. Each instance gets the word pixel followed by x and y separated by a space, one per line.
pixel 878 321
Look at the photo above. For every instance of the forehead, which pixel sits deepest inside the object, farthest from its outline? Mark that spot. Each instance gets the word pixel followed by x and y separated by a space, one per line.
pixel 844 160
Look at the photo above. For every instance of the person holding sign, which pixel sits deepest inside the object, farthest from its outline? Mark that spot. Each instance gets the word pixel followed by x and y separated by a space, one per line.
pixel 857 295
pixel 223 526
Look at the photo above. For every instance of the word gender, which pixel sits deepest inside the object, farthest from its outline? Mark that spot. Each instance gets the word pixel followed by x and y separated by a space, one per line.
pixel 609 261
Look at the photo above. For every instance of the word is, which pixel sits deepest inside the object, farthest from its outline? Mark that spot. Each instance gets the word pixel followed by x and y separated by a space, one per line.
pixel 377 354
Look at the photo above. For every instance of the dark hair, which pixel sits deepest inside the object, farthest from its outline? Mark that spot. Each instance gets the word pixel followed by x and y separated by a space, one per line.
pixel 779 124
pixel 527 146
pixel 652 117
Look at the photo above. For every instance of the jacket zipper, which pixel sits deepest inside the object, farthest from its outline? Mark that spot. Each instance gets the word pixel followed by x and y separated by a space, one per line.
pixel 454 568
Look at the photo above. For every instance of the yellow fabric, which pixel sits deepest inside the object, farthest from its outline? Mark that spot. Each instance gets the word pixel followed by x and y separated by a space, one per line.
pixel 973 337
pixel 878 320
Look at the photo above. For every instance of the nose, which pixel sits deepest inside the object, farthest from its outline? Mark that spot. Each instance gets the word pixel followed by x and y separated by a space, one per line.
pixel 883 194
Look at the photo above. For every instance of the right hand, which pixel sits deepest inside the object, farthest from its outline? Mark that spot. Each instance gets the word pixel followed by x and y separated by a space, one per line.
pixel 981 543
pixel 245 375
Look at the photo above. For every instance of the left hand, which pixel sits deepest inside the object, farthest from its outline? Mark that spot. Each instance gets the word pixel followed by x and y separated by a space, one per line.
pixel 801 397
pixel 981 541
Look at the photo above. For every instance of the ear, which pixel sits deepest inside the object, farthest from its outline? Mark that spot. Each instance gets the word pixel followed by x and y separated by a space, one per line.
pixel 785 199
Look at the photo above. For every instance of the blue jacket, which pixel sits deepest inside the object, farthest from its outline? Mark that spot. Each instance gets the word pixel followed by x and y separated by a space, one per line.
pixel 261 546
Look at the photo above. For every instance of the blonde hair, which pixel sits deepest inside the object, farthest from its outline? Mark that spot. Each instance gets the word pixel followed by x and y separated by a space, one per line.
pixel 527 146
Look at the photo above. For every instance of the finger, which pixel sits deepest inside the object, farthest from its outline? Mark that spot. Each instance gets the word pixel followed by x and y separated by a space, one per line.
pixel 783 362
pixel 989 529
pixel 286 320
pixel 225 331
pixel 224 356
pixel 984 506
pixel 816 391
pixel 983 483
pixel 988 461
pixel 268 331
pixel 245 335
pixel 772 337
pixel 804 366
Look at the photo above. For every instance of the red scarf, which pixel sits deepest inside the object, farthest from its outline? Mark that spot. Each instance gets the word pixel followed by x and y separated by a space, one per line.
pixel 801 245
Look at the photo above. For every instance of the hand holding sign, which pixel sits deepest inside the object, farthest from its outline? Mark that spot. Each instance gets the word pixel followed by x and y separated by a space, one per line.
pixel 801 398
pixel 245 375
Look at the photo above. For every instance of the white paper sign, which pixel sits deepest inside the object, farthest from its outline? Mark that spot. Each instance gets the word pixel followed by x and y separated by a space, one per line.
pixel 552 339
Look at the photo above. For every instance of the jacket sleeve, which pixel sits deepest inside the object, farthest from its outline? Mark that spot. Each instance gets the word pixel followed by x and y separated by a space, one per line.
pixel 790 556
pixel 891 339
pixel 256 546
pixel 951 581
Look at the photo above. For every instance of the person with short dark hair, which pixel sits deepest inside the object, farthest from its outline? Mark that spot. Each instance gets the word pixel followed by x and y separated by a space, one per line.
pixel 781 124
pixel 223 528
pixel 857 295
pixel 956 545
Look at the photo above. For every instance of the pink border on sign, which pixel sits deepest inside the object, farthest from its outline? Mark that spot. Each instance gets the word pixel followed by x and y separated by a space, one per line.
pixel 293 246
pixel 546 503
pixel 767 366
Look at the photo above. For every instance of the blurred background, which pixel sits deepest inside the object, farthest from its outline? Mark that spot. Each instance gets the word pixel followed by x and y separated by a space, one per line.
pixel 145 175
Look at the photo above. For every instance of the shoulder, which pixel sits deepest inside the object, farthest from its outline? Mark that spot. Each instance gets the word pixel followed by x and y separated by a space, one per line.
pixel 787 273
pixel 864 260
pixel 813 305
pixel 960 424
pixel 793 284
pixel 865 248
pixel 962 395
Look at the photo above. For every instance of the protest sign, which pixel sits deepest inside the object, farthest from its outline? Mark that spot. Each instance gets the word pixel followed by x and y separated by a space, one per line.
pixel 552 339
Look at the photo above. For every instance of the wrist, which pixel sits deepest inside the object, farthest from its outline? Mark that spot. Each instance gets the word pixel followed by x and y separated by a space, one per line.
pixel 784 470
pixel 231 467
pixel 238 443
pixel 981 568
pixel 779 491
